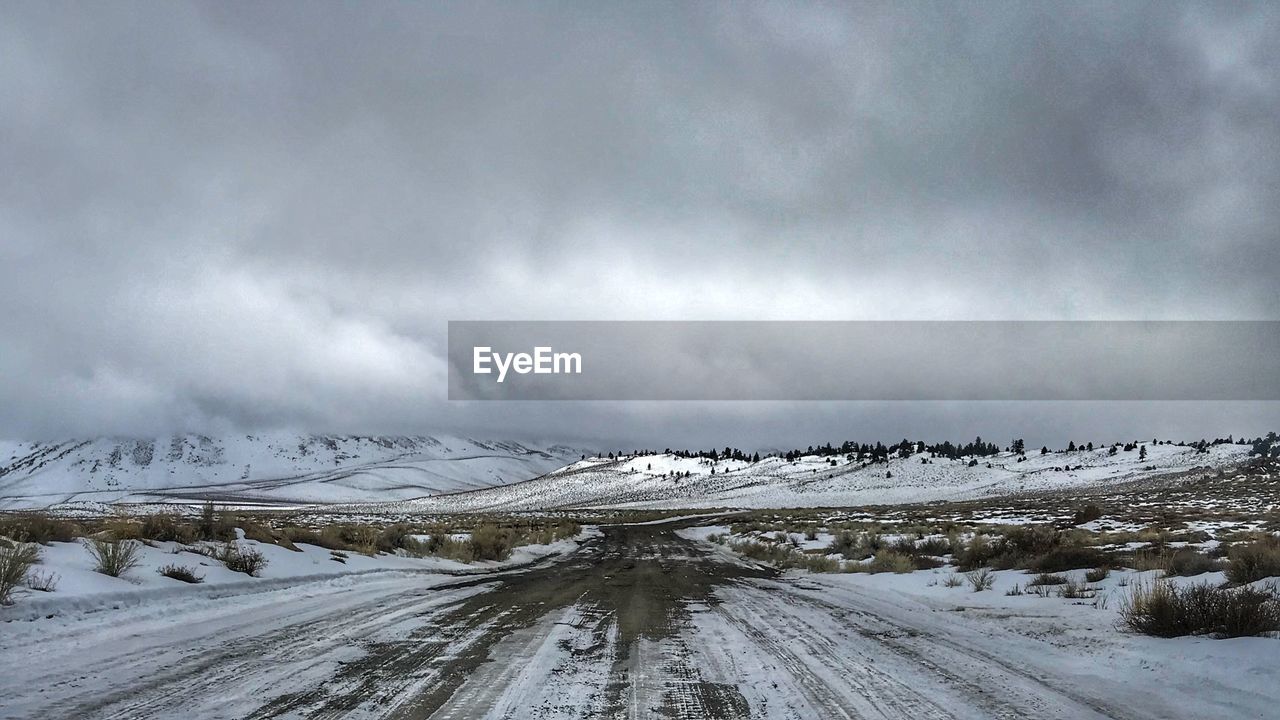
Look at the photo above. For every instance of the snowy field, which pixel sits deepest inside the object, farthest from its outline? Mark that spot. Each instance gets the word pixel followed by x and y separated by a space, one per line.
pixel 1013 600
pixel 667 481
pixel 79 588
pixel 632 621
pixel 905 646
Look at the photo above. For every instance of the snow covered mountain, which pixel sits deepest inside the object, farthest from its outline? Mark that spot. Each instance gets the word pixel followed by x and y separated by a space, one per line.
pixel 278 468
pixel 659 481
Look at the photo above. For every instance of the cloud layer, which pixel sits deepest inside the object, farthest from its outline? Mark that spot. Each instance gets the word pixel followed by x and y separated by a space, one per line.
pixel 222 216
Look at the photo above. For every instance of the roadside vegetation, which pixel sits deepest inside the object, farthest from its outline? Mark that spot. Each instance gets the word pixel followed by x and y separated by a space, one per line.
pixel 113 557
pixel 185 573
pixel 114 543
pixel 1167 610
pixel 1197 566
pixel 16 559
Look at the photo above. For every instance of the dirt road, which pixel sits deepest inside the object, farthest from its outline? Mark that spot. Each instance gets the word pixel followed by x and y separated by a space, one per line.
pixel 637 623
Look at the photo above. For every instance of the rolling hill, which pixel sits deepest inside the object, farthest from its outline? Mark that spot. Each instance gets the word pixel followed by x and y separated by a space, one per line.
pixel 660 481
pixel 272 469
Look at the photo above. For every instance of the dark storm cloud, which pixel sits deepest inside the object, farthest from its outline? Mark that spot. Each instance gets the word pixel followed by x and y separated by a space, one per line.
pixel 228 215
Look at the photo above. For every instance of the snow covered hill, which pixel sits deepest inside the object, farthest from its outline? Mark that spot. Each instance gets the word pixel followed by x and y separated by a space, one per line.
pixel 278 468
pixel 659 481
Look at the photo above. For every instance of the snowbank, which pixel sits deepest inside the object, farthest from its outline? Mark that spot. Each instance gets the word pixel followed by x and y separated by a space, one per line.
pixel 80 588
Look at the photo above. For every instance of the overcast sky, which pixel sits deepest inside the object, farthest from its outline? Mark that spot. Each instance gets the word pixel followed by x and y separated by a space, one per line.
pixel 231 216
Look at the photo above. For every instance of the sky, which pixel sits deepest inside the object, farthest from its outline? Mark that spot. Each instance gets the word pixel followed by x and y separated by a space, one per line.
pixel 224 217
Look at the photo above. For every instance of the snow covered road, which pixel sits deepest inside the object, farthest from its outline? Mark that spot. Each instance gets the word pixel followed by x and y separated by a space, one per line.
pixel 638 623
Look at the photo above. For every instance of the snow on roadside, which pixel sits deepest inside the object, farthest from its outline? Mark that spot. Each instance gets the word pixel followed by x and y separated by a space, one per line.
pixel 1079 640
pixel 80 588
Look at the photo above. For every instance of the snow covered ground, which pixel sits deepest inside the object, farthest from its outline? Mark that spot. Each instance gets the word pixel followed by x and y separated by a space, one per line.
pixel 905 646
pixel 79 588
pixel 270 469
pixel 446 475
pixel 1007 643
pixel 638 621
pixel 659 481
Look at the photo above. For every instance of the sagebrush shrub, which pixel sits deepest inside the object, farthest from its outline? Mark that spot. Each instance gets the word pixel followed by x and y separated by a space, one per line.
pixel 166 526
pixel 395 537
pixel 264 534
pixel 114 557
pixel 890 561
pixel 489 542
pixel 815 563
pixel 846 544
pixel 1188 562
pixel 123 527
pixel 41 580
pixel 1149 559
pixel 975 553
pixel 239 559
pixel 1256 561
pixel 926 562
pixel 1067 558
pixel 1097 574
pixel 981 579
pixel 185 573
pixel 1165 610
pixel 37 527
pixel 15 561
pixel 328 539
pixel 1048 579
pixel 936 546
pixel 1030 539
pixel 360 538
pixel 1086 514
pixel 1074 589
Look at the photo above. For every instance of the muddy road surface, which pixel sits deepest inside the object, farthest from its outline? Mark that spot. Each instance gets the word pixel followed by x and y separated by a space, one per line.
pixel 638 622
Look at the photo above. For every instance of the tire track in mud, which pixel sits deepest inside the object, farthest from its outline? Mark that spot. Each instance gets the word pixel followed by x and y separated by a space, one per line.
pixel 928 649
pixel 835 680
pixel 633 585
pixel 308 636
pixel 234 654
pixel 887 667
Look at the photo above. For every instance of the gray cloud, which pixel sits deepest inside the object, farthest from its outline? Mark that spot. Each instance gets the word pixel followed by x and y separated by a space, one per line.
pixel 230 215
